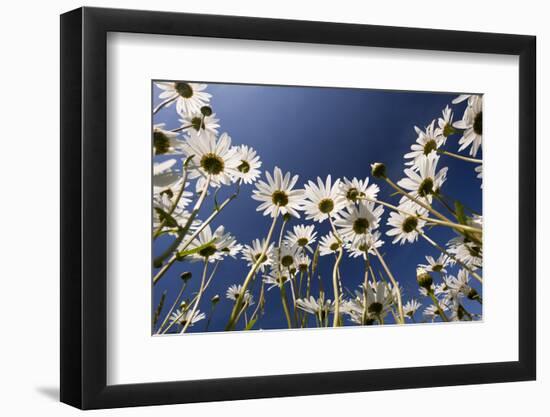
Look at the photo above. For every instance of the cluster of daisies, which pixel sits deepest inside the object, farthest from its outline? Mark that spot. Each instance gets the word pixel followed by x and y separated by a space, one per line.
pixel 343 219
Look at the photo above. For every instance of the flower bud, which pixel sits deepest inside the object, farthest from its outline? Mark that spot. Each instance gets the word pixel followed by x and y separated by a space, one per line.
pixel 186 276
pixel 378 170
pixel 287 217
pixel 215 299
pixel 206 111
pixel 424 278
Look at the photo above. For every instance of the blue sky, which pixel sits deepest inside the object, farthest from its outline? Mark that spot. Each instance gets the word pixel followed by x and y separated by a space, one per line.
pixel 312 132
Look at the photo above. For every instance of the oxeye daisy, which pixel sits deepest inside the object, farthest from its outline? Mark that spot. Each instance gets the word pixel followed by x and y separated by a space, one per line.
pixel 302 236
pixel 234 291
pixel 410 308
pixel 248 170
pixel 373 301
pixel 253 252
pixel 201 123
pixel 356 190
pixel 212 246
pixel 426 181
pixel 323 199
pixel 278 194
pixel 318 307
pixel 432 312
pixel 405 227
pixel 165 175
pixel 436 265
pixel 164 201
pixel 445 123
pixel 302 262
pixel 182 318
pixel 467 252
pixel 212 157
pixel 189 97
pixel 364 245
pixel 287 256
pixel 426 142
pixel 165 141
pixel 328 245
pixel 276 278
pixel 472 124
pixel 358 220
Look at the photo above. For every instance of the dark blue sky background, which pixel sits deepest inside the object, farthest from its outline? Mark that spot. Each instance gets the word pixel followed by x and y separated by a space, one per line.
pixel 315 132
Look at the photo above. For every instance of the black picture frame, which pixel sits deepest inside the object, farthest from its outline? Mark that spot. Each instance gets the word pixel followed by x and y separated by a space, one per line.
pixel 84 207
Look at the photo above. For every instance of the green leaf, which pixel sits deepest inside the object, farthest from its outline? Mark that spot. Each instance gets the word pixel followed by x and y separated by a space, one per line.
pixel 167 218
pixel 251 323
pixel 188 252
pixel 459 210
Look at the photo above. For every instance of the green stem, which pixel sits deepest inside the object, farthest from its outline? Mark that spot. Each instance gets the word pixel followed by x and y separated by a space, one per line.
pixel 199 296
pixel 462 158
pixel 394 283
pixel 436 304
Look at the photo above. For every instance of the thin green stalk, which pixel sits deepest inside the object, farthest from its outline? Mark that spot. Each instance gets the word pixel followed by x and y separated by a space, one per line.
pixel 461 157
pixel 394 283
pixel 167 317
pixel 435 301
pixel 199 296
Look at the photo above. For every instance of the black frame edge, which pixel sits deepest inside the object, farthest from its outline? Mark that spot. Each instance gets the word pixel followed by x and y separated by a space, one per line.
pixel 83 208
pixel 70 208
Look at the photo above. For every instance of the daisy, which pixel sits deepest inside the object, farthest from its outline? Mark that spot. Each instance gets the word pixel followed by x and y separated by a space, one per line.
pixel 201 123
pixel 445 123
pixel 374 301
pixel 189 97
pixel 461 98
pixel 405 227
pixel 287 255
pixel 431 312
pixel 253 252
pixel 163 202
pixel 212 157
pixel 426 142
pixel 182 318
pixel 165 175
pixel 364 245
pixel 248 170
pixel 322 199
pixel 302 236
pixel 359 220
pixel 328 244
pixel 234 291
pixel 318 307
pixel 356 190
pixel 165 141
pixel 410 308
pixel 479 170
pixel 302 262
pixel 276 278
pixel 438 265
pixel 213 246
pixel 426 181
pixel 472 124
pixel 278 195
pixel 467 252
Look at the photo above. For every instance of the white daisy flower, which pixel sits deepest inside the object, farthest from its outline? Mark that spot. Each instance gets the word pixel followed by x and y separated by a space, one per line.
pixel 405 227
pixel 426 181
pixel 358 220
pixel 302 262
pixel 189 97
pixel 467 252
pixel 373 301
pixel 364 245
pixel 276 278
pixel 461 98
pixel 201 123
pixel 248 170
pixel 445 123
pixel 165 175
pixel 183 318
pixel 235 290
pixel 437 265
pixel 426 142
pixel 328 245
pixel 472 124
pixel 252 253
pixel 278 193
pixel 318 307
pixel 165 141
pixel 322 199
pixel 410 308
pixel 287 256
pixel 431 312
pixel 458 286
pixel 163 202
pixel 212 157
pixel 357 190
pixel 302 236
pixel 214 246
pixel 479 170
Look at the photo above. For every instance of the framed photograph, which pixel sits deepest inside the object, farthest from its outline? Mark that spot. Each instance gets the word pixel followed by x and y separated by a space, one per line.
pixel 258 208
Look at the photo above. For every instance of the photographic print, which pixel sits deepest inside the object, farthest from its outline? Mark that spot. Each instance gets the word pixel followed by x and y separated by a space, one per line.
pixel 301 207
